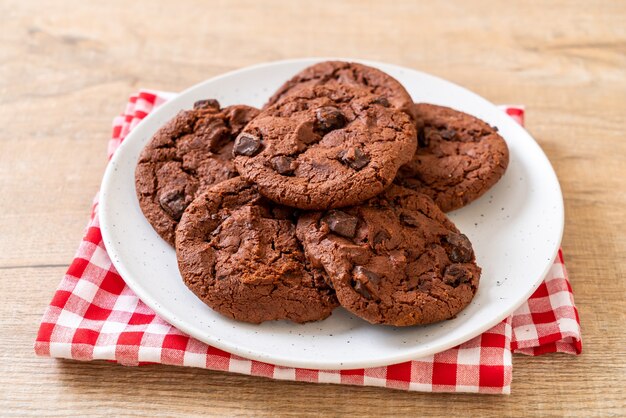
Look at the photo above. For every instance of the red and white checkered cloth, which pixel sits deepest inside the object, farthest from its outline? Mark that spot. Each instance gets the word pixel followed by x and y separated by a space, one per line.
pixel 94 315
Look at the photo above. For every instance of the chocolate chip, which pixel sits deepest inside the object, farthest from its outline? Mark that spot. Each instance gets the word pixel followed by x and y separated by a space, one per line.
pixel 206 103
pixel 408 220
pixel 307 134
pixel 173 203
pixel 283 165
pixel 354 158
pixel 380 237
pixel 365 282
pixel 364 275
pixel 329 118
pixel 361 290
pixel 422 140
pixel 341 223
pixel 455 274
pixel 459 248
pixel 495 128
pixel 448 134
pixel 382 100
pixel 247 144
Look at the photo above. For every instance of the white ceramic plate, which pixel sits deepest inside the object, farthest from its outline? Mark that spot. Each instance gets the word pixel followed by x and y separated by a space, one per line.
pixel 516 230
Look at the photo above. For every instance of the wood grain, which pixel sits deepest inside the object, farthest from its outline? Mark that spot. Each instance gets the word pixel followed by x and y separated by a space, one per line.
pixel 67 67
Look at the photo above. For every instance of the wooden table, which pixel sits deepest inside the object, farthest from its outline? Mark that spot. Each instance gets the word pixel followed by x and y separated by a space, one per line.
pixel 67 67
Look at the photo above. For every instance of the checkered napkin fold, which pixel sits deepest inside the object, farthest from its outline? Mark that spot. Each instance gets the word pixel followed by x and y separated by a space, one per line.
pixel 94 315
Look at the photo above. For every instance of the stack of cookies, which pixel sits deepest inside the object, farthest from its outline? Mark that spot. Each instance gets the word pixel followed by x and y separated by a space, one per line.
pixel 333 194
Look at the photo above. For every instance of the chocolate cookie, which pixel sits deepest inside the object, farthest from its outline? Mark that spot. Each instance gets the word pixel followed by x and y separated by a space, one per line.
pixel 323 147
pixel 458 157
pixel 238 252
pixel 186 156
pixel 387 89
pixel 395 259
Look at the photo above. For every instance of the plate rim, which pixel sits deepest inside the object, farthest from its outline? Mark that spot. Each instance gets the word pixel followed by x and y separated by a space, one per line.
pixel 188 328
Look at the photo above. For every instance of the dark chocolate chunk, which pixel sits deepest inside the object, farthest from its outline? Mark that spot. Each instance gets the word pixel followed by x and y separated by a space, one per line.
pixel 362 274
pixel 329 118
pixel 341 223
pixel 382 100
pixel 455 274
pixel 354 158
pixel 173 203
pixel 206 103
pixel 361 290
pixel 459 248
pixel 306 133
pixel 247 144
pixel 283 164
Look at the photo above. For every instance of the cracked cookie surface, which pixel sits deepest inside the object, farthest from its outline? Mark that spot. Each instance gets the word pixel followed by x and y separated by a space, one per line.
pixel 187 155
pixel 329 73
pixel 458 158
pixel 395 259
pixel 238 252
pixel 323 147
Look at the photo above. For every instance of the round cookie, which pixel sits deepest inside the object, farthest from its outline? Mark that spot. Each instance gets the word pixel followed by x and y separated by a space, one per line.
pixel 323 147
pixel 329 73
pixel 458 158
pixel 185 157
pixel 238 252
pixel 395 259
